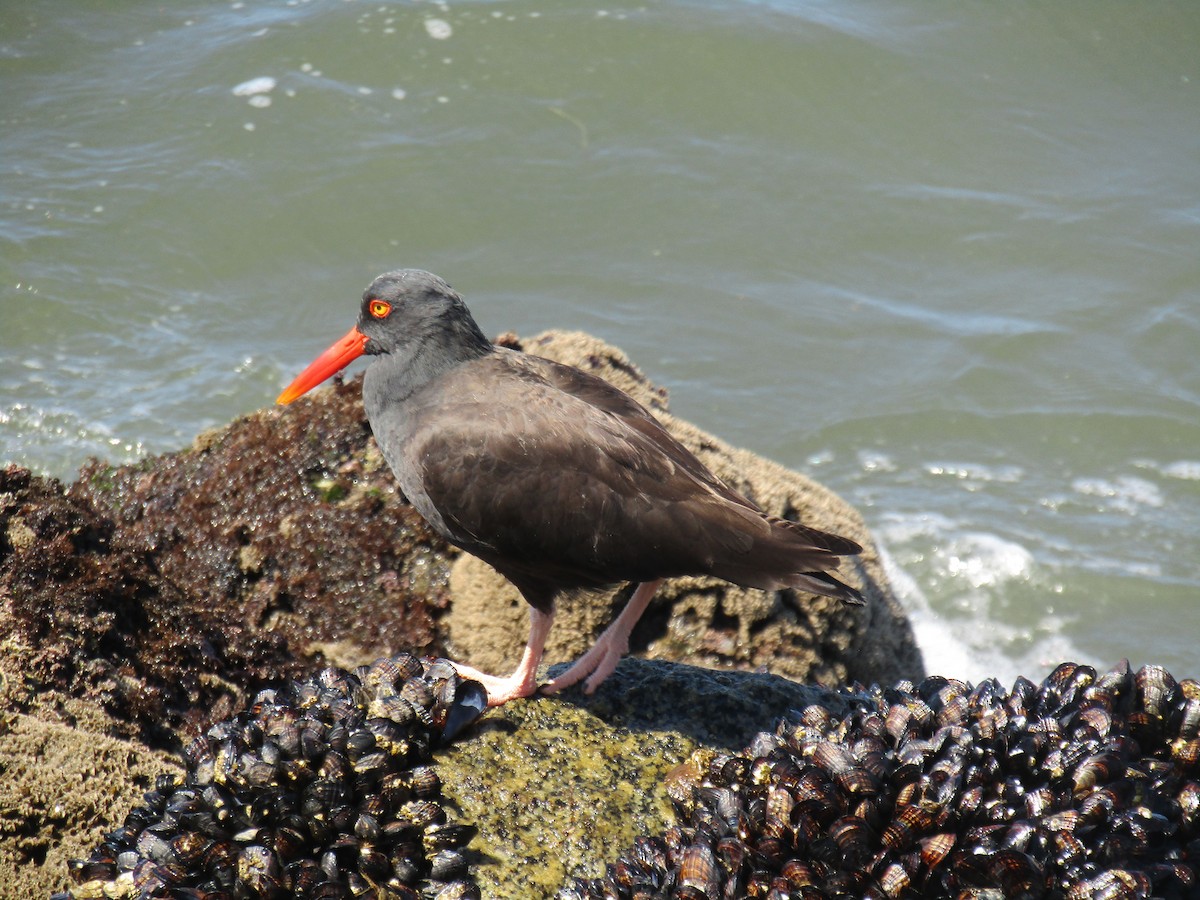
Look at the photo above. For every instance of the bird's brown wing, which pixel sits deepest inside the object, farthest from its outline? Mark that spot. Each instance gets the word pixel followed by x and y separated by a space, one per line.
pixel 599 393
pixel 557 474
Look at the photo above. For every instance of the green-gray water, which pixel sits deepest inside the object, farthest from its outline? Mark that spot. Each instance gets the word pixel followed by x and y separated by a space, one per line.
pixel 944 257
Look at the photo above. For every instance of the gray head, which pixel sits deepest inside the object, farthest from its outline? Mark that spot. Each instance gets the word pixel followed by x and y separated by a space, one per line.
pixel 410 310
pixel 416 326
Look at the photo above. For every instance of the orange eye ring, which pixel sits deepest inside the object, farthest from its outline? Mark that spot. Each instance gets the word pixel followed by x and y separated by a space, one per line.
pixel 380 309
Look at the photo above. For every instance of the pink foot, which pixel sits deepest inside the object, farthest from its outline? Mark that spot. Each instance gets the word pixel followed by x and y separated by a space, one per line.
pixel 500 690
pixel 600 661
pixel 523 681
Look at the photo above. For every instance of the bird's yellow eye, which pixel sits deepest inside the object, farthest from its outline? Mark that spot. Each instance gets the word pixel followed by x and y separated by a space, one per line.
pixel 380 309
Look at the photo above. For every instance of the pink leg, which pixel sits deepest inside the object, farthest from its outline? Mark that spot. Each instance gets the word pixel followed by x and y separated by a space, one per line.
pixel 523 681
pixel 599 662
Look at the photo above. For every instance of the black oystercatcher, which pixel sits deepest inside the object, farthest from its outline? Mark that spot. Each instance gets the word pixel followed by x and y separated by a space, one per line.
pixel 554 477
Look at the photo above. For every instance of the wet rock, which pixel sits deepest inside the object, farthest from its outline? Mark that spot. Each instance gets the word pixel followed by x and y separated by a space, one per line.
pixel 143 604
pixel 170 590
pixel 557 785
pixel 289 524
pixel 1083 786
pixel 94 619
pixel 320 789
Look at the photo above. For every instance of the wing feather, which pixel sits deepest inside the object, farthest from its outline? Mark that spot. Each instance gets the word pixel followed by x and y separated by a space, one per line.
pixel 555 472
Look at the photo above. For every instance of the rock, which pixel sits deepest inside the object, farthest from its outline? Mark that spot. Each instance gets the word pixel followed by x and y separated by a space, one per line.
pixel 550 788
pixel 289 523
pixel 704 620
pixel 64 778
pixel 143 603
pixel 559 785
pixel 1083 786
pixel 167 590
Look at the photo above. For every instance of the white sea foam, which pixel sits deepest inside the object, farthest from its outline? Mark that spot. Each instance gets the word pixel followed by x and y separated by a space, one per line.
pixel 438 29
pixel 951 583
pixel 264 84
pixel 1125 493
pixel 1183 468
pixel 874 461
pixel 944 652
pixel 977 472
pixel 984 560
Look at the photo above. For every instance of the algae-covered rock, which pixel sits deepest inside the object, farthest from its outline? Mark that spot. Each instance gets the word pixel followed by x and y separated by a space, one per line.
pixel 65 776
pixel 559 785
pixel 170 589
pixel 143 603
pixel 289 523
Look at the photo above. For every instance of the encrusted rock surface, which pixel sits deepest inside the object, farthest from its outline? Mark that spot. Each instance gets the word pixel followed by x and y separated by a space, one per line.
pixel 1085 786
pixel 321 789
pixel 169 590
pixel 550 788
pixel 559 785
pixel 63 780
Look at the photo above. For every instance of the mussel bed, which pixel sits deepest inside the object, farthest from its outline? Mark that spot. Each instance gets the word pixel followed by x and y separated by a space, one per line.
pixel 320 789
pixel 1085 786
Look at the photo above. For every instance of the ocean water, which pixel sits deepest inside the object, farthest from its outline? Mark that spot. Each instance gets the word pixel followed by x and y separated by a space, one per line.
pixel 945 258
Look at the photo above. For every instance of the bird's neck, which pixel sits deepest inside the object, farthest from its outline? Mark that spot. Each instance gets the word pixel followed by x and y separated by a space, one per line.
pixel 400 374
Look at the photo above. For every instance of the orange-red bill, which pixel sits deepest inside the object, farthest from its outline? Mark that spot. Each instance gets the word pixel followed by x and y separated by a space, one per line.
pixel 333 360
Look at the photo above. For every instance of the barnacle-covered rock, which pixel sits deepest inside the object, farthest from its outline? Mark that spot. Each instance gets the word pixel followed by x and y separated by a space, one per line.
pixel 147 602
pixel 313 792
pixel 1083 786
pixel 558 784
pixel 1071 788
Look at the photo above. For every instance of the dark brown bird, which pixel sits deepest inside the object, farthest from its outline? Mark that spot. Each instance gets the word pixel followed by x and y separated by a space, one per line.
pixel 553 476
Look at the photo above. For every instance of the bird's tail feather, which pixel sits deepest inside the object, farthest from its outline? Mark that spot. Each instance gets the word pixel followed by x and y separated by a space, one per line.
pixel 827 586
pixel 791 555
